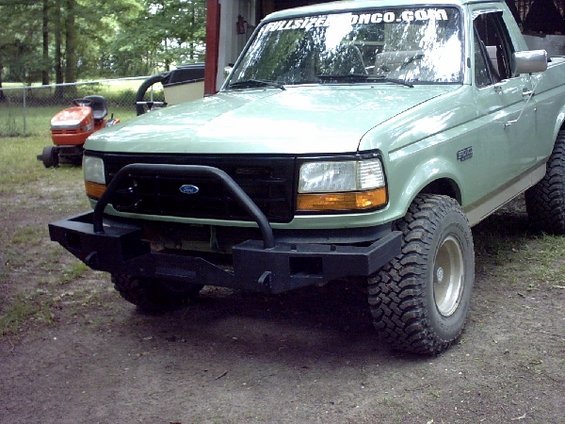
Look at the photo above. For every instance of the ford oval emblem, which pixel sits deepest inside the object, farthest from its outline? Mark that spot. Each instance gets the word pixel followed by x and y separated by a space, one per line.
pixel 188 189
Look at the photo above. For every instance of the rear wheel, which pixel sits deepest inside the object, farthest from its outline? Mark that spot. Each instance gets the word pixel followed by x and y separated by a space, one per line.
pixel 545 201
pixel 49 156
pixel 419 301
pixel 152 295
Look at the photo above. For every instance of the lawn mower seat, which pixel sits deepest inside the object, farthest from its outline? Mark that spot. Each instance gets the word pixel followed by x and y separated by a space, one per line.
pixel 99 106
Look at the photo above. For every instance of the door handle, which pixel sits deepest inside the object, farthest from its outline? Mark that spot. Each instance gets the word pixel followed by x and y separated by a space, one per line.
pixel 527 93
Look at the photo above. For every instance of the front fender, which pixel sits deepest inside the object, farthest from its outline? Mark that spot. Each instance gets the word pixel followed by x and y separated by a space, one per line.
pixel 404 189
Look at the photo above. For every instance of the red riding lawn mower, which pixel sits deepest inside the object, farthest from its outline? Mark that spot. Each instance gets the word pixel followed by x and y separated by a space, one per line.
pixel 71 127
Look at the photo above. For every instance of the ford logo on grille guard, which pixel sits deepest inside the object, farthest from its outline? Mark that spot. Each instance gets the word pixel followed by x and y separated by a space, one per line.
pixel 188 189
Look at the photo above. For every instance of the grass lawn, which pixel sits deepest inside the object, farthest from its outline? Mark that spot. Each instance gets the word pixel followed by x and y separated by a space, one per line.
pixel 41 105
pixel 38 118
pixel 18 154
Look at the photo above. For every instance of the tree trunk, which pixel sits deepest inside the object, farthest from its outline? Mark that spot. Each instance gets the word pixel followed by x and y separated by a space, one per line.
pixel 2 96
pixel 70 48
pixel 45 71
pixel 191 34
pixel 58 51
pixel 167 59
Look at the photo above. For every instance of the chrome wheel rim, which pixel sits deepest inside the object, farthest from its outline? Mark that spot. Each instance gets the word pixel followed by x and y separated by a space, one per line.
pixel 448 276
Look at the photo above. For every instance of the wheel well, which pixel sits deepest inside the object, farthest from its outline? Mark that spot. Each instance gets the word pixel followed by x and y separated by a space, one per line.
pixel 443 186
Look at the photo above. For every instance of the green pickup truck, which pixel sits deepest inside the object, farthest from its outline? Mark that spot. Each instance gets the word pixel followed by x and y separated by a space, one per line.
pixel 355 139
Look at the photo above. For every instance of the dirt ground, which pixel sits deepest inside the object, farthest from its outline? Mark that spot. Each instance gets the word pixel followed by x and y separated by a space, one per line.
pixel 87 356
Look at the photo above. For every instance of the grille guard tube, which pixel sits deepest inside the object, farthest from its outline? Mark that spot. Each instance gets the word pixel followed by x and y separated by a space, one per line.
pixel 133 169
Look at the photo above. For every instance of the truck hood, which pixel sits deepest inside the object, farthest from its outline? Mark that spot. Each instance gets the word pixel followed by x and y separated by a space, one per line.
pixel 301 119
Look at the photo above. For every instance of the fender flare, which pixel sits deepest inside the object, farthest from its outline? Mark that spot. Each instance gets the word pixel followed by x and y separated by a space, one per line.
pixel 559 123
pixel 426 174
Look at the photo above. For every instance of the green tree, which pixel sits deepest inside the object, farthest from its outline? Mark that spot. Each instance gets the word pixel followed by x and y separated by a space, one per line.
pixel 167 32
pixel 45 39
pixel 70 46
pixel 71 39
pixel 19 36
pixel 57 25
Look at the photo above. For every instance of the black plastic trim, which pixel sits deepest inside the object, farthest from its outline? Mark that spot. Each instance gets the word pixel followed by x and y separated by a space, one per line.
pixel 285 266
pixel 270 184
pixel 173 170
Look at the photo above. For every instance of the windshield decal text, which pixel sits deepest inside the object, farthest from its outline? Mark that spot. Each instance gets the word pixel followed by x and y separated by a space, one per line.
pixel 299 23
pixel 404 16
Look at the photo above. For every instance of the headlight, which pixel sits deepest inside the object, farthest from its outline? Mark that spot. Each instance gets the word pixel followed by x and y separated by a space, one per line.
pixel 341 186
pixel 323 177
pixel 93 168
pixel 94 176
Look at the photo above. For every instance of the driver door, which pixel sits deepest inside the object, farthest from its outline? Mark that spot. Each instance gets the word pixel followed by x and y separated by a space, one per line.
pixel 508 121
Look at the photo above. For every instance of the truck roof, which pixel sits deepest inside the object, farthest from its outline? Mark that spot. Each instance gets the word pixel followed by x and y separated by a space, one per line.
pixel 338 6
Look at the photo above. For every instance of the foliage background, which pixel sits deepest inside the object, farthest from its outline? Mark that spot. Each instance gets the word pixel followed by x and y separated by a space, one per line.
pixel 62 41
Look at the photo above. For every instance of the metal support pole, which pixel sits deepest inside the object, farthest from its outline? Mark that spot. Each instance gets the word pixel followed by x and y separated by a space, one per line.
pixel 25 111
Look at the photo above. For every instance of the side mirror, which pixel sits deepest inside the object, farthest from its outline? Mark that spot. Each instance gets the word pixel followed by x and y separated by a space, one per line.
pixel 227 70
pixel 528 62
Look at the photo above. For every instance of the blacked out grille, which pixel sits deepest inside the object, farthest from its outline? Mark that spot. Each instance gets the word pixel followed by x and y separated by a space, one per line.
pixel 269 181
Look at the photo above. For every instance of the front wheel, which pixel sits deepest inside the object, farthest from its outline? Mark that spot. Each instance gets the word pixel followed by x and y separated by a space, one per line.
pixel 419 301
pixel 151 295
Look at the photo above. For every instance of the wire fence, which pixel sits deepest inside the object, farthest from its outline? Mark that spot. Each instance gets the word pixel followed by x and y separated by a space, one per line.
pixel 26 110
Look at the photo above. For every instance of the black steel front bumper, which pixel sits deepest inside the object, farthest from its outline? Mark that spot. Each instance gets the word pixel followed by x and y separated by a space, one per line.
pixel 117 246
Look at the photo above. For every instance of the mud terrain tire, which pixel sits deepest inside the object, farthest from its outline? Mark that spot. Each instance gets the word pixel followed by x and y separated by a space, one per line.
pixel 151 295
pixel 545 202
pixel 419 301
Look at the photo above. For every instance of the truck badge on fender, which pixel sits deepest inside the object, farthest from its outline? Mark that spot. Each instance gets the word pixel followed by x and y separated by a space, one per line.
pixel 464 154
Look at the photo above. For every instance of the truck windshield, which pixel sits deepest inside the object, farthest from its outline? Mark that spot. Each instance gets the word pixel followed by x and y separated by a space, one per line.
pixel 407 45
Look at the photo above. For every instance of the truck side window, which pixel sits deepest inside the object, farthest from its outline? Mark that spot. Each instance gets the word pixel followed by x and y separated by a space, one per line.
pixel 492 42
pixel 484 74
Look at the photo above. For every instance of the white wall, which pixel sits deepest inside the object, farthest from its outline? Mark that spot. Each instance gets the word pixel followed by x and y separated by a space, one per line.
pixel 230 42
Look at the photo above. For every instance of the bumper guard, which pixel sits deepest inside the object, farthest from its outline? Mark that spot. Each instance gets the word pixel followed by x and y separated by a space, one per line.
pixel 116 246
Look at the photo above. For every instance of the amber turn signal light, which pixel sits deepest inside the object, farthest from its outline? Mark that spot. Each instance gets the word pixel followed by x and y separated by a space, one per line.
pixel 94 190
pixel 346 201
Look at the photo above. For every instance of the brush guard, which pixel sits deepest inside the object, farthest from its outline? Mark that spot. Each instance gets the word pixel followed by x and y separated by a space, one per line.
pixel 116 245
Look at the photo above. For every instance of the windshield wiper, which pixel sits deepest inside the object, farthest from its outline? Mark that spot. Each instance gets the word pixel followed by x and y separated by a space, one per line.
pixel 393 80
pixel 362 78
pixel 255 83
